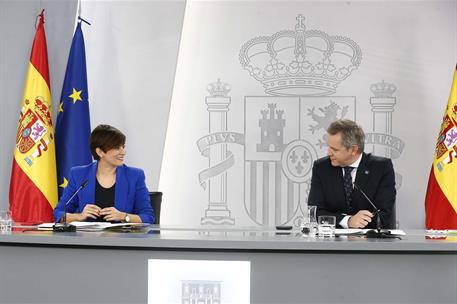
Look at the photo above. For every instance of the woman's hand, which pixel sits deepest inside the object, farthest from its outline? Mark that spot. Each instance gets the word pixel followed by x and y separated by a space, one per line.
pixel 111 214
pixel 92 211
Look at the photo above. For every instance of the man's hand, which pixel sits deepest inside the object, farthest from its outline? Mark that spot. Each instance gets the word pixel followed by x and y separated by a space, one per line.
pixel 360 219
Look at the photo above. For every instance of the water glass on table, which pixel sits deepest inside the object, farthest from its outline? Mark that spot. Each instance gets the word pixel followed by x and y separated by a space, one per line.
pixel 326 225
pixel 6 222
pixel 309 223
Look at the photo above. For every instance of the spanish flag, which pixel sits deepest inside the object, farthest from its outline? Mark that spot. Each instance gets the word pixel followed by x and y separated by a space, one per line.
pixel 33 184
pixel 441 197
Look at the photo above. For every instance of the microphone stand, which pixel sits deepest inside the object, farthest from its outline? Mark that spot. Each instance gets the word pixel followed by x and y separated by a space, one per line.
pixel 66 227
pixel 377 233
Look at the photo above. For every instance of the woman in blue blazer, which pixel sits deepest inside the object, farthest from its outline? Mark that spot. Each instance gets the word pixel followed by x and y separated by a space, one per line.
pixel 114 191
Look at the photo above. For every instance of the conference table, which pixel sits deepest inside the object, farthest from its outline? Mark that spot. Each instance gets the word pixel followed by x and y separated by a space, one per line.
pixel 284 266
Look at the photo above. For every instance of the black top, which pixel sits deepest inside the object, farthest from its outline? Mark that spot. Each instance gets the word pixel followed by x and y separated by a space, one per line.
pixel 104 197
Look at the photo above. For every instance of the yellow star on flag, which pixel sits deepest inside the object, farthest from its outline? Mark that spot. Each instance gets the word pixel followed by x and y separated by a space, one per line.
pixel 61 107
pixel 64 184
pixel 76 95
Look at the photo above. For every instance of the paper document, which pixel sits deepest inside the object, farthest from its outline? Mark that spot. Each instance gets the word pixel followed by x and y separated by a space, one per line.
pixel 392 231
pixel 397 232
pixel 96 226
pixel 89 226
pixel 347 231
pixel 363 231
pixel 45 226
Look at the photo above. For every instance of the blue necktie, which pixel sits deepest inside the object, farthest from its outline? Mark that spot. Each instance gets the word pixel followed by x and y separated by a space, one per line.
pixel 347 182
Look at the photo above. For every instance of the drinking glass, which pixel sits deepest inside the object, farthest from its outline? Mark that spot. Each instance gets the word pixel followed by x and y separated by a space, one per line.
pixel 309 224
pixel 326 225
pixel 6 222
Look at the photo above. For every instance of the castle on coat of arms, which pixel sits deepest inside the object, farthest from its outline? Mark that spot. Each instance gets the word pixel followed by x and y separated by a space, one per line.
pixel 271 130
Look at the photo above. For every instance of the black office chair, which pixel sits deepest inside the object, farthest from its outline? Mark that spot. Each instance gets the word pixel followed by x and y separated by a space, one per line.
pixel 156 202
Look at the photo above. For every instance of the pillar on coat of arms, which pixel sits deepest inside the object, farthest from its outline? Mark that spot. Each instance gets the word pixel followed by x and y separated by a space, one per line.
pixel 382 106
pixel 218 106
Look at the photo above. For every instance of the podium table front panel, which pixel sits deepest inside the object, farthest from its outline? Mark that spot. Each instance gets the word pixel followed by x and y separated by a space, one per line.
pixel 108 267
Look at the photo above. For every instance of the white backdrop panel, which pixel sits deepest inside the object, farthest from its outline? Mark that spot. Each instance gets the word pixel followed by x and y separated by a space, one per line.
pixel 131 51
pixel 218 168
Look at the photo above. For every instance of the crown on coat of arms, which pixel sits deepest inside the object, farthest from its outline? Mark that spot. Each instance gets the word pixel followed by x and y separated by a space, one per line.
pixel 218 89
pixel 300 62
pixel 42 110
pixel 383 89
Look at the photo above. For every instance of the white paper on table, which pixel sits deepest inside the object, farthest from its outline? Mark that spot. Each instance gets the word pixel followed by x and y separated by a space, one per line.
pixel 397 232
pixel 364 231
pixel 45 226
pixel 88 225
pixel 392 231
pixel 347 231
pixel 101 225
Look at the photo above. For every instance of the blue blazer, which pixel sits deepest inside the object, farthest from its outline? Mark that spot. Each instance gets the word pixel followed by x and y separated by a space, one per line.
pixel 131 194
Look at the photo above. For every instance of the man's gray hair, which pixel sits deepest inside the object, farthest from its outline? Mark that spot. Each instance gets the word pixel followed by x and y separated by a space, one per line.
pixel 351 133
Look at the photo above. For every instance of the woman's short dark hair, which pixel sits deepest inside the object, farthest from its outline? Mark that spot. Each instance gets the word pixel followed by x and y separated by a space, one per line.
pixel 351 133
pixel 105 137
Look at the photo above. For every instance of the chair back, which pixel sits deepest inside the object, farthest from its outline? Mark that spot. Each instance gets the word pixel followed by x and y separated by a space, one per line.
pixel 156 202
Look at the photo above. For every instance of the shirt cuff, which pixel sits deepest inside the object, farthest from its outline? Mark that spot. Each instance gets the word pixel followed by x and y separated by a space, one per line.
pixel 344 222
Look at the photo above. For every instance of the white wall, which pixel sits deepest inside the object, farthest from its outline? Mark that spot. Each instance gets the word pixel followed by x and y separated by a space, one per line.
pixel 131 51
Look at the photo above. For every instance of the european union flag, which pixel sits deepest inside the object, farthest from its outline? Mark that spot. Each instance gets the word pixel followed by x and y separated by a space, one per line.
pixel 73 121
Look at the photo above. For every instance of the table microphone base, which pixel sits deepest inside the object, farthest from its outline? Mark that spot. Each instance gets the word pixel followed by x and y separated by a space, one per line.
pixel 60 227
pixel 380 234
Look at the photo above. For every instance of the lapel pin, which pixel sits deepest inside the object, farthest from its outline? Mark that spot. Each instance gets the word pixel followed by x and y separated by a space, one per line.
pixel 366 171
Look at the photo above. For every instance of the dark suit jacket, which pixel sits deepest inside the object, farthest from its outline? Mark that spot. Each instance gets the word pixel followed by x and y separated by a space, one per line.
pixel 375 176
pixel 131 194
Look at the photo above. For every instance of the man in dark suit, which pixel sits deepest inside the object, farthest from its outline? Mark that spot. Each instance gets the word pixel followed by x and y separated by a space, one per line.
pixel 334 175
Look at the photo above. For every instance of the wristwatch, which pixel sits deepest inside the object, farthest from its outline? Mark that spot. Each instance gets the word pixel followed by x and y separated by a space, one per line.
pixel 127 218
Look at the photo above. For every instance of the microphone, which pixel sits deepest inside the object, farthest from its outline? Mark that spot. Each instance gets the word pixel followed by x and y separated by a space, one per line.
pixel 65 227
pixel 374 233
